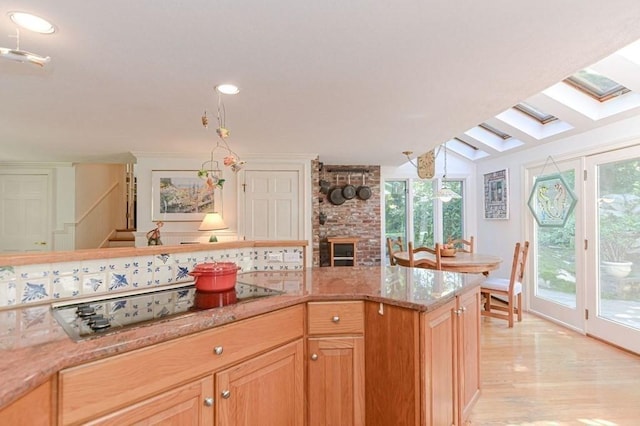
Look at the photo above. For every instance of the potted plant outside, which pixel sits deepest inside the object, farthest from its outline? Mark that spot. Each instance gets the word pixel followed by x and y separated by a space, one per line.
pixel 619 233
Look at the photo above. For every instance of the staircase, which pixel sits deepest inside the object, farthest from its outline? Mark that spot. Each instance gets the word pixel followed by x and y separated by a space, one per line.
pixel 123 238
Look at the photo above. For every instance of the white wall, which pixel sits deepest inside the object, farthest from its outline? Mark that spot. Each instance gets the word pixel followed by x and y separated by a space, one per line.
pixel 499 236
pixel 182 231
pixel 176 232
pixel 100 203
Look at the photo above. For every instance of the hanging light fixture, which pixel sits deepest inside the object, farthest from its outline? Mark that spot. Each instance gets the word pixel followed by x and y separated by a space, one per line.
pixel 18 55
pixel 230 158
pixel 445 194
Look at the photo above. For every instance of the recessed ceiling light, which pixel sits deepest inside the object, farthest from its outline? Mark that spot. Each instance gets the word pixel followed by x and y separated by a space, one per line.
pixel 227 89
pixel 32 22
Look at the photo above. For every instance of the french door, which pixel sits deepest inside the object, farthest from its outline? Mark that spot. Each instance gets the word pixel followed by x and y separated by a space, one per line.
pixel 556 255
pixel 613 267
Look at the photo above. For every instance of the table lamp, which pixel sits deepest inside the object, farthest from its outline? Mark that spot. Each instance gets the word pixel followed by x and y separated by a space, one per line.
pixel 212 222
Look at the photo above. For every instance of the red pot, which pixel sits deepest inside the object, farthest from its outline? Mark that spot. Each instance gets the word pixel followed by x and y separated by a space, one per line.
pixel 216 276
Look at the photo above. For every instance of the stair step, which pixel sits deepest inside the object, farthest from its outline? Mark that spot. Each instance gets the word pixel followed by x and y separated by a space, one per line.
pixel 122 243
pixel 123 238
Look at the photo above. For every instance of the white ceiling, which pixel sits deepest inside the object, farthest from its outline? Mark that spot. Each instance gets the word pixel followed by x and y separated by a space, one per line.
pixel 354 81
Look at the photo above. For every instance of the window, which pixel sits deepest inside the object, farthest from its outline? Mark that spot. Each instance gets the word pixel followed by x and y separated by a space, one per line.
pixel 412 213
pixel 535 113
pixel 502 135
pixel 596 85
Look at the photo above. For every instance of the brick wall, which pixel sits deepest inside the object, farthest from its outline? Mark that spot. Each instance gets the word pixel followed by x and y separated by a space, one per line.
pixel 354 218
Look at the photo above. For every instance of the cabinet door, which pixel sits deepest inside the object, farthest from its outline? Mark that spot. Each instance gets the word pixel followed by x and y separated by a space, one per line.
pixel 267 390
pixel 336 381
pixel 189 404
pixel 440 364
pixel 33 409
pixel 468 352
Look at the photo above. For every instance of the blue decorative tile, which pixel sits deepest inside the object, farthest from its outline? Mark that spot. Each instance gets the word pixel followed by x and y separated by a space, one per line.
pixel 118 281
pixel 94 283
pixel 65 286
pixel 34 291
pixel 7 273
pixel 8 293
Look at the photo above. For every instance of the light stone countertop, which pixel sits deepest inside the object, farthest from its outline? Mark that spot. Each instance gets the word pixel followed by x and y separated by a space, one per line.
pixel 33 347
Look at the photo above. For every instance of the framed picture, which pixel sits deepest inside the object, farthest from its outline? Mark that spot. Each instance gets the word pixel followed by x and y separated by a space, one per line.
pixel 496 195
pixel 182 196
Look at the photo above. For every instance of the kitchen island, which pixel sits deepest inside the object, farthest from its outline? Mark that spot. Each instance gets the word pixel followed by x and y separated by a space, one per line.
pixel 420 330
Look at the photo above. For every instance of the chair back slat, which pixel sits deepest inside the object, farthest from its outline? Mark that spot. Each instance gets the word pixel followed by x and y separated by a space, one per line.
pixel 462 245
pixel 518 267
pixel 431 265
pixel 394 246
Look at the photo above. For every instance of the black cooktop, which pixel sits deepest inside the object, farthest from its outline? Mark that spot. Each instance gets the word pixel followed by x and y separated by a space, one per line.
pixel 95 317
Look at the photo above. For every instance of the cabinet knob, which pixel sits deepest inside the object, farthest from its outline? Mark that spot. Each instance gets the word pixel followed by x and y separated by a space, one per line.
pixel 336 319
pixel 463 309
pixel 458 312
pixel 218 350
pixel 208 402
pixel 226 394
pixel 314 357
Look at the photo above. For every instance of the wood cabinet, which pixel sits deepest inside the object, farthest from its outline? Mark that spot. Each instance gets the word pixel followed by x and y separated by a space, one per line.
pixel 335 347
pixel 115 385
pixel 191 403
pixel 428 362
pixel 266 390
pixel 342 251
pixel 439 360
pixel 468 314
pixel 36 408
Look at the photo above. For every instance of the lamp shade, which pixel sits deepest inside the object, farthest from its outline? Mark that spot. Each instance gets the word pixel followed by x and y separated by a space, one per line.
pixel 212 222
pixel 445 195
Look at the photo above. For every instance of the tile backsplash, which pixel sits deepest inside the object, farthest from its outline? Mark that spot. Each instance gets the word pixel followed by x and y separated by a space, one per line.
pixel 45 283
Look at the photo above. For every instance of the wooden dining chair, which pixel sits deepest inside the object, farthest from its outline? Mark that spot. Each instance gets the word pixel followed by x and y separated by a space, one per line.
pixel 462 245
pixel 394 246
pixel 510 288
pixel 421 263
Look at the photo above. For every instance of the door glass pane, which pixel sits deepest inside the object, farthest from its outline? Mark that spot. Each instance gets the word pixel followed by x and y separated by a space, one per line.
pixel 619 237
pixel 556 265
pixel 423 213
pixel 452 214
pixel 395 210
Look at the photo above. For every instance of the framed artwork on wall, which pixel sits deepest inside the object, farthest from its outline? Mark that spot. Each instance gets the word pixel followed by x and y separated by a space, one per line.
pixel 182 196
pixel 496 195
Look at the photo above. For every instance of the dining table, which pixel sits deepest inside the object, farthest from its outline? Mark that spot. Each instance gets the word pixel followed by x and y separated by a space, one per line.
pixel 460 262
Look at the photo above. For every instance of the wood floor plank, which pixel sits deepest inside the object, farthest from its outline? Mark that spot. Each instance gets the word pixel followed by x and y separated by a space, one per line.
pixel 539 373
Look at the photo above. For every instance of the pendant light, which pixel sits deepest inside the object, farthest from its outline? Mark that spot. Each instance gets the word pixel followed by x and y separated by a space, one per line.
pixel 18 55
pixel 445 194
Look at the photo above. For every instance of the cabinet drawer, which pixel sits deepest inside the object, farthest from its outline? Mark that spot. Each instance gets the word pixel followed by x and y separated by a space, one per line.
pixel 335 317
pixel 99 387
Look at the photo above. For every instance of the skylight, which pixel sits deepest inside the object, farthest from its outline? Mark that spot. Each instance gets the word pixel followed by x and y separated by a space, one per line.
pixel 475 148
pixel 502 135
pixel 535 113
pixel 596 85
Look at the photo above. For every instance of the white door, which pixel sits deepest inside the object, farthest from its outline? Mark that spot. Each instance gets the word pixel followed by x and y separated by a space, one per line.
pixel 613 224
pixel 24 212
pixel 271 205
pixel 555 275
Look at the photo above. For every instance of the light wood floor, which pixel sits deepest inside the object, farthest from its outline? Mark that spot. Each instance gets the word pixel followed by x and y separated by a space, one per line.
pixel 539 373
